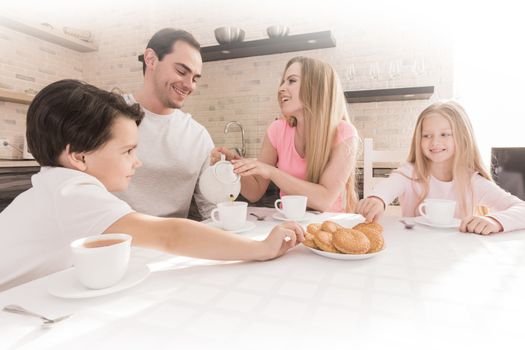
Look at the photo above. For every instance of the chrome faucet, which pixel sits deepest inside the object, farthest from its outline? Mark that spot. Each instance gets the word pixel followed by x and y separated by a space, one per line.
pixel 242 151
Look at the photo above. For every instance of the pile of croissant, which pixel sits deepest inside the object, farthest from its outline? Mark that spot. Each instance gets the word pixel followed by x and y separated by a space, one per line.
pixel 334 238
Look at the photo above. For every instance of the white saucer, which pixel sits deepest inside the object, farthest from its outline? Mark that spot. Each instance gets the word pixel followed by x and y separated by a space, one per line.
pixel 424 221
pixel 65 285
pixel 341 256
pixel 281 217
pixel 249 225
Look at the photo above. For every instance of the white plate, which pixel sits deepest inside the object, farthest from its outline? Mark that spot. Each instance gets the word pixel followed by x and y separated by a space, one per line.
pixel 424 221
pixel 65 285
pixel 281 217
pixel 341 256
pixel 249 225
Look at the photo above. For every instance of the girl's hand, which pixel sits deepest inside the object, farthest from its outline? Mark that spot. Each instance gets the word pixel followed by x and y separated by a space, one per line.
pixel 282 238
pixel 218 151
pixel 251 166
pixel 372 208
pixel 483 225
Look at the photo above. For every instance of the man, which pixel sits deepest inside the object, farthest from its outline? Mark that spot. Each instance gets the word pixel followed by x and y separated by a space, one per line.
pixel 174 148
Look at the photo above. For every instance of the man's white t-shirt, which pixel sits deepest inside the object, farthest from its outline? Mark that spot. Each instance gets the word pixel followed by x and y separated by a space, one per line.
pixel 38 226
pixel 174 150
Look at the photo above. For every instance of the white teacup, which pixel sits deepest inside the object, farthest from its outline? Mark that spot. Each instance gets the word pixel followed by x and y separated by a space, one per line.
pixel 293 207
pixel 232 215
pixel 438 211
pixel 101 261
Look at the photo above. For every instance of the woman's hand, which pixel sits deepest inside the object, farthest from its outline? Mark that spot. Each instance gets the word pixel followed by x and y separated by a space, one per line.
pixel 252 166
pixel 372 208
pixel 483 225
pixel 218 151
pixel 282 238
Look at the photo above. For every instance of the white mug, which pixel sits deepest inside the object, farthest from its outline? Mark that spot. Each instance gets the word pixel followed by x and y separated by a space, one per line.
pixel 293 207
pixel 101 261
pixel 232 215
pixel 438 211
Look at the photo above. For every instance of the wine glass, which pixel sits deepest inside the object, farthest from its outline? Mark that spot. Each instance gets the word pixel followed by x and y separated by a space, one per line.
pixel 374 71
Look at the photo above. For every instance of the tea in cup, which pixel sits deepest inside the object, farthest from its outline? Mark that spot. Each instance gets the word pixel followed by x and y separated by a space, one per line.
pixel 438 211
pixel 101 261
pixel 231 215
pixel 292 207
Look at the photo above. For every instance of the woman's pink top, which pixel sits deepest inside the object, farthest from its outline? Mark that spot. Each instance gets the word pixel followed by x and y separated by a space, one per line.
pixel 509 210
pixel 282 137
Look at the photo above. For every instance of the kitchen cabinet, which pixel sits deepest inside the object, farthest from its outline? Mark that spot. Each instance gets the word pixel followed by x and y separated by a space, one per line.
pixel 395 94
pixel 290 43
pixel 13 181
pixel 52 35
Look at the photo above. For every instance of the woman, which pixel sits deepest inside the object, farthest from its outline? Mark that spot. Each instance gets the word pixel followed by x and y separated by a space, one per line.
pixel 311 150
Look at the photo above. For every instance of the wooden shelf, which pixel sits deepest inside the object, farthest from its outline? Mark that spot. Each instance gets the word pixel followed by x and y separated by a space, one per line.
pixel 47 34
pixel 396 94
pixel 16 97
pixel 299 42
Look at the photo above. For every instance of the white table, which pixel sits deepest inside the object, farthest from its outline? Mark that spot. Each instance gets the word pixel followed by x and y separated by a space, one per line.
pixel 430 289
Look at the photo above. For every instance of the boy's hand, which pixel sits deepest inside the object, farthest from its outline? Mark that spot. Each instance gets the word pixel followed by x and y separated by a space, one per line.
pixel 218 151
pixel 372 208
pixel 282 238
pixel 483 225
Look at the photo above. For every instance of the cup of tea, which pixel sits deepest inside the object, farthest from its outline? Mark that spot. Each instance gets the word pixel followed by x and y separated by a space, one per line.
pixel 101 261
pixel 438 211
pixel 230 215
pixel 292 207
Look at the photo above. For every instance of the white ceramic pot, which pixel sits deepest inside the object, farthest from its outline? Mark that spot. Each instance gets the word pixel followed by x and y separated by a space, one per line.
pixel 219 183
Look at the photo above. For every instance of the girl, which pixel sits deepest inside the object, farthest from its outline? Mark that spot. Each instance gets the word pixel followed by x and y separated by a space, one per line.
pixel 444 162
pixel 311 149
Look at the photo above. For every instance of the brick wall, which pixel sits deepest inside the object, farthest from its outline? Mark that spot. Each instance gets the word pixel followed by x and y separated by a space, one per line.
pixel 26 65
pixel 245 89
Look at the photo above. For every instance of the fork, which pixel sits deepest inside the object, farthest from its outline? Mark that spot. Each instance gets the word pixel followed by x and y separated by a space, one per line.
pixel 17 309
pixel 259 217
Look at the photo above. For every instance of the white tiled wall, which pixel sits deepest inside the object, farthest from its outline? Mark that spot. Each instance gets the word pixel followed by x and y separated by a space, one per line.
pixel 245 89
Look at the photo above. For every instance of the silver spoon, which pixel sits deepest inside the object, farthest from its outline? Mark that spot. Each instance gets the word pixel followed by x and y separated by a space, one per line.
pixel 17 309
pixel 408 226
pixel 259 218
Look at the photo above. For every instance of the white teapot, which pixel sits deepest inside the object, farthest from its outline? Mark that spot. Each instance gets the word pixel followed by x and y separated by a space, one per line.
pixel 219 183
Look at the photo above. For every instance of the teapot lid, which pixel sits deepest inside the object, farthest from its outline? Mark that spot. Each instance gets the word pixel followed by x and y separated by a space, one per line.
pixel 224 172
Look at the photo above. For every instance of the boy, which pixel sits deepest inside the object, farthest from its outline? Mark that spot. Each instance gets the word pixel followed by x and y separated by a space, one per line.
pixel 85 139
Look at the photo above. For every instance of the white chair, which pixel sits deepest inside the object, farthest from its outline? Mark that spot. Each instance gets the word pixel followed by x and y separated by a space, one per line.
pixel 370 157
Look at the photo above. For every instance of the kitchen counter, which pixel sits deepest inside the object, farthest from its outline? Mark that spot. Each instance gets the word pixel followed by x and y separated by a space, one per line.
pixel 429 289
pixel 5 163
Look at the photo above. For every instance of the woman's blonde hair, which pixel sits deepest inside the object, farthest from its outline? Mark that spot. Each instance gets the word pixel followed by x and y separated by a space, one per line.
pixel 324 107
pixel 466 161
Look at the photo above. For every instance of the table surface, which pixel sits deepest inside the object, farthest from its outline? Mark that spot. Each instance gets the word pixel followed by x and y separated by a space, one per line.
pixel 430 289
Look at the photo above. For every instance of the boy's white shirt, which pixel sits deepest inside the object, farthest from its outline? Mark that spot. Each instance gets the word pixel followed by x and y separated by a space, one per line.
pixel 38 226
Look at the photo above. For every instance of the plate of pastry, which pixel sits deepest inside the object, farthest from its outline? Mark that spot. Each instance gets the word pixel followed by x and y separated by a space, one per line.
pixel 331 240
pixel 343 256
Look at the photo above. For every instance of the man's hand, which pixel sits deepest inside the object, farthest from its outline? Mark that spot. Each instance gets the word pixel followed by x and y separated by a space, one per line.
pixel 218 151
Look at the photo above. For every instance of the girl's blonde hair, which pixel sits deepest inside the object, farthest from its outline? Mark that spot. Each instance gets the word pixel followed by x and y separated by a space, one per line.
pixel 324 107
pixel 466 161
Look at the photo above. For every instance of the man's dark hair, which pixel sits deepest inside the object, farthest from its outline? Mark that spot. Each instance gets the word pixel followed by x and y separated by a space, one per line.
pixel 71 112
pixel 162 42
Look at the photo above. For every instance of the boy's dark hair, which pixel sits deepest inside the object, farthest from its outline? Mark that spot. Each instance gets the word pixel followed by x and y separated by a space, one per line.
pixel 162 42
pixel 71 112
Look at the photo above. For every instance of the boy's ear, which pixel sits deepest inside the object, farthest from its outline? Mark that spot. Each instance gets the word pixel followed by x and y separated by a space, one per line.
pixel 76 159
